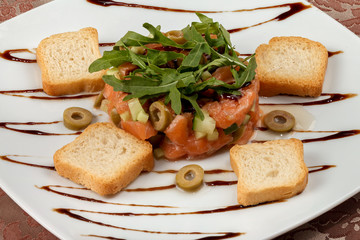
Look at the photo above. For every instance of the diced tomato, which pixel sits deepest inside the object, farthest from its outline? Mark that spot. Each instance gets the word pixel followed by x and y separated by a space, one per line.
pixel 138 129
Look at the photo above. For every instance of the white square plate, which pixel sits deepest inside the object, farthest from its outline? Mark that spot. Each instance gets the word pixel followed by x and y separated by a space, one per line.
pixel 171 213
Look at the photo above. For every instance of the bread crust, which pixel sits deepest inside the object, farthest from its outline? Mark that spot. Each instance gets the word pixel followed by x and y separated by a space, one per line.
pixel 251 194
pixel 291 65
pixel 116 178
pixel 64 59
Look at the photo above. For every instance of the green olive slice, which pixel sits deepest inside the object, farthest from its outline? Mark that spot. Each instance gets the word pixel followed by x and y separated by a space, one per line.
pixel 279 121
pixel 76 118
pixel 176 35
pixel 98 100
pixel 160 116
pixel 190 177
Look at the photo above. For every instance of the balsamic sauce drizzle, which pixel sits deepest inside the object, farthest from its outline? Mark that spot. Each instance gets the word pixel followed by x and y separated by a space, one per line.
pixel 211 183
pixel 69 213
pixel 50 188
pixel 8 55
pixel 33 132
pixel 224 236
pixel 8 159
pixel 333 136
pixel 294 8
pixel 337 135
pixel 330 54
pixel 21 93
pixel 319 168
pixel 208 211
pixel 104 237
pixel 331 97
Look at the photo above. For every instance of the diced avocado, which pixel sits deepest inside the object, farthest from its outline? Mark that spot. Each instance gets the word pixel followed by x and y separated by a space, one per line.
pixel 104 105
pixel 199 135
pixel 213 136
pixel 135 108
pixel 112 71
pixel 125 116
pixel 253 107
pixel 205 75
pixel 138 49
pixel 158 153
pixel 246 119
pixel 142 117
pixel 206 126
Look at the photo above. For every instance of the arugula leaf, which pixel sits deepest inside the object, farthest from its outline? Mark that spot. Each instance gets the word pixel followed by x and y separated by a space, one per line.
pixel 159 58
pixel 207 47
pixel 203 18
pixel 175 98
pixel 109 59
pixel 192 99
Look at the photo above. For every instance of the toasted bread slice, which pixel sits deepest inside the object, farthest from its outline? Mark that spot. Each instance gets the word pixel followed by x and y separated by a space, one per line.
pixel 269 171
pixel 291 65
pixel 104 158
pixel 64 60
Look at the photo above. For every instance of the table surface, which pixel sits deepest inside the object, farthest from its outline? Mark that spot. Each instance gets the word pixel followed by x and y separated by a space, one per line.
pixel 341 222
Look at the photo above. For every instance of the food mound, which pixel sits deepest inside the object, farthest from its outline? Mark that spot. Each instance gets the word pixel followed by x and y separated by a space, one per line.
pixel 186 91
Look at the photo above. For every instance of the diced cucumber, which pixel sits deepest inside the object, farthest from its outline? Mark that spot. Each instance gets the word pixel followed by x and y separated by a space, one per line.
pixel 115 117
pixel 205 75
pixel 142 117
pixel 246 119
pixel 112 71
pixel 253 107
pixel 158 153
pixel 135 108
pixel 104 105
pixel 125 116
pixel 199 135
pixel 138 49
pixel 137 112
pixel 213 136
pixel 206 126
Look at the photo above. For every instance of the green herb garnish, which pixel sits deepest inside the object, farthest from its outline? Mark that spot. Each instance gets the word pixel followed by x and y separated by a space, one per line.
pixel 152 79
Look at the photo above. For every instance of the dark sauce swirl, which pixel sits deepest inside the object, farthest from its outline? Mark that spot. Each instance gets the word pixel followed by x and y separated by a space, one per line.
pixel 50 188
pixel 320 168
pixel 22 93
pixel 8 159
pixel 223 236
pixel 71 214
pixel 34 132
pixel 331 97
pixel 294 8
pixel 330 54
pixel 9 55
pixel 332 136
